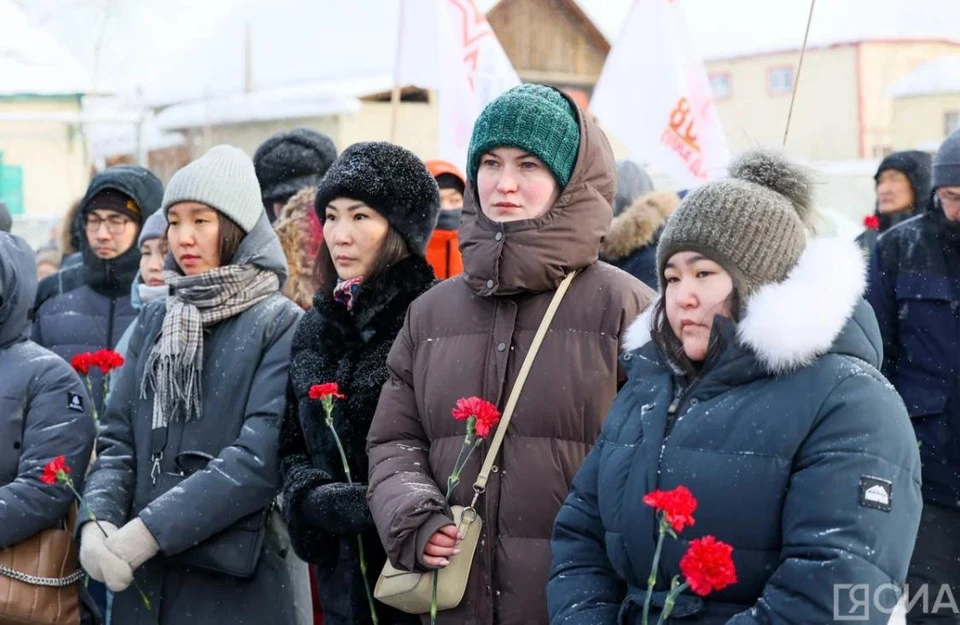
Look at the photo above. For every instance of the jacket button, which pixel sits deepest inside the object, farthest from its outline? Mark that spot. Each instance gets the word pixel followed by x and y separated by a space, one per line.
pixel 489 284
pixel 694 401
pixel 498 236
pixel 627 356
pixel 501 347
pixel 16 445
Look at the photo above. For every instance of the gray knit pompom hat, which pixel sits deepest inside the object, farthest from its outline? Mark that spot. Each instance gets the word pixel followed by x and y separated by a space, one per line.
pixel 754 223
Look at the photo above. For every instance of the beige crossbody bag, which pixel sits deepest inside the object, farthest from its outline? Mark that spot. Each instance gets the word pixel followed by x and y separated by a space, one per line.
pixel 412 592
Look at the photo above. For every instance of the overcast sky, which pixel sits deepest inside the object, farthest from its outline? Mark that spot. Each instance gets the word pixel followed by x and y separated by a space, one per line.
pixel 143 42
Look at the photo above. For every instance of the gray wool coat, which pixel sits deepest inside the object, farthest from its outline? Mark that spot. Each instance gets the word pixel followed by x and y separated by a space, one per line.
pixel 243 384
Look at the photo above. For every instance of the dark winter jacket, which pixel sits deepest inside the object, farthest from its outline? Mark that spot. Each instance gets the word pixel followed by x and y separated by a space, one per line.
pixel 44 411
pixel 632 241
pixel 468 336
pixel 917 167
pixel 87 307
pixel 914 288
pixel 325 514
pixel 798 452
pixel 244 378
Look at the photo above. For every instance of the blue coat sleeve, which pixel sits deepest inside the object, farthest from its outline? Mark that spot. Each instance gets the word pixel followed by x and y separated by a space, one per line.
pixel 831 539
pixel 583 587
pixel 882 297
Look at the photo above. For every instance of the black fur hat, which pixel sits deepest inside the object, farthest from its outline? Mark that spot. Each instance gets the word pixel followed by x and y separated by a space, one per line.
pixel 292 160
pixel 392 181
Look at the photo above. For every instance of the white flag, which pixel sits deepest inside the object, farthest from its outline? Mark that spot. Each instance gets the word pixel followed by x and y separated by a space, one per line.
pixel 449 46
pixel 654 96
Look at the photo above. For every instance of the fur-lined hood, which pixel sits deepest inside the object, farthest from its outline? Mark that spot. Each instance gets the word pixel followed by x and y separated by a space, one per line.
pixel 818 309
pixel 638 225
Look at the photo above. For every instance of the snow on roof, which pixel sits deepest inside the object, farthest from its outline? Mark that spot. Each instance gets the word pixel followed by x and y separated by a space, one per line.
pixel 32 61
pixel 315 100
pixel 935 77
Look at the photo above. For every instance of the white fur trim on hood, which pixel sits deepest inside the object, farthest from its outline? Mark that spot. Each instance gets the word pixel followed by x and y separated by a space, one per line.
pixel 790 323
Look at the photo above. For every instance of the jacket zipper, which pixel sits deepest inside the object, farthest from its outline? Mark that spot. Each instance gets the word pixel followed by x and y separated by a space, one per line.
pixel 113 304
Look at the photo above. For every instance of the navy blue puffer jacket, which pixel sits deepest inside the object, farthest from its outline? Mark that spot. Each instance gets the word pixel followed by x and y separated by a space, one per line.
pixel 799 452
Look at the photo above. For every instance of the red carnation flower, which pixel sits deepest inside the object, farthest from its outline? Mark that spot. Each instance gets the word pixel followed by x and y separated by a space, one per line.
pixel 82 363
pixel 677 505
pixel 54 470
pixel 107 360
pixel 328 389
pixel 708 565
pixel 486 414
pixel 871 222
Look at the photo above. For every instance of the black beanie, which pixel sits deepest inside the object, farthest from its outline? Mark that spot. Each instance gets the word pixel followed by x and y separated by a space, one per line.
pixel 292 160
pixel 392 181
pixel 116 201
pixel 451 181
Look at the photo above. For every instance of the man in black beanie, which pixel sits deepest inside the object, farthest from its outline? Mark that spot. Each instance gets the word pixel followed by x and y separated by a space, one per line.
pixel 914 288
pixel 87 307
pixel 289 161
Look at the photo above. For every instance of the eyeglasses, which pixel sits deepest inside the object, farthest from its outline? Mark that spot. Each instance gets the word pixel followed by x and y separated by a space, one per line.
pixel 115 225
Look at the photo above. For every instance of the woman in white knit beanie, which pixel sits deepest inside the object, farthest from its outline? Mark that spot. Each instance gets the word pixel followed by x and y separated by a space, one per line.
pixel 187 452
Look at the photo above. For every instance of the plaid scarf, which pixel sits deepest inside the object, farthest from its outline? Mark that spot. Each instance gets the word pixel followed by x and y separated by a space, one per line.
pixel 174 365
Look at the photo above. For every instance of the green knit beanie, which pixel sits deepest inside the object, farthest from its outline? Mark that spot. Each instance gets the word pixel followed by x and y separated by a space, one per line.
pixel 534 118
pixel 754 224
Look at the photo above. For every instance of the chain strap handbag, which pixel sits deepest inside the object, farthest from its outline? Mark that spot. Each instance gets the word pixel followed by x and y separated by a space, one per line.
pixel 38 578
pixel 412 592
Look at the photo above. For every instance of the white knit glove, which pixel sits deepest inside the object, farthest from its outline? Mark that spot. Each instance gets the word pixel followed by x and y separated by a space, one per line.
pixel 133 543
pixel 98 561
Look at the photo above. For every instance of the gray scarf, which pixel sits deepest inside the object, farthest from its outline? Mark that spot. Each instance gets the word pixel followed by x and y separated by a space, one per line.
pixel 175 363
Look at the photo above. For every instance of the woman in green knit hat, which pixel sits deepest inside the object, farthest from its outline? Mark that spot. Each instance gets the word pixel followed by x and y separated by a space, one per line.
pixel 538 204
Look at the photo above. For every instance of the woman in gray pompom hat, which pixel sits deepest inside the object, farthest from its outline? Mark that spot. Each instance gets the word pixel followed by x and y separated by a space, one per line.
pixel 187 469
pixel 752 381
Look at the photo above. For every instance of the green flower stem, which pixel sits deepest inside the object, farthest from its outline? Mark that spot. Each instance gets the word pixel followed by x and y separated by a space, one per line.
pixel 328 407
pixel 470 443
pixel 143 596
pixel 96 417
pixel 652 580
pixel 106 387
pixel 670 600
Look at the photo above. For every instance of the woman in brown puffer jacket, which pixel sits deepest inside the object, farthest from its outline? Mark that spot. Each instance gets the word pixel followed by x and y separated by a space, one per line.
pixel 542 180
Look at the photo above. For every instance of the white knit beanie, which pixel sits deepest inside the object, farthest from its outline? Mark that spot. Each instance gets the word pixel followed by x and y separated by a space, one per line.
pixel 223 179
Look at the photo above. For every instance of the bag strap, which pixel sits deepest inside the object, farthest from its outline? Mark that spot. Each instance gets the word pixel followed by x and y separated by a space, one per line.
pixel 501 432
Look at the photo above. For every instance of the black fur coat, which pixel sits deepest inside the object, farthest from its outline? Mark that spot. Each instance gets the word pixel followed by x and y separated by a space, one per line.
pixel 325 513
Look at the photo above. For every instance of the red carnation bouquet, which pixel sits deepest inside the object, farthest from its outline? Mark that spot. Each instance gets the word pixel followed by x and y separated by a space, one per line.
pixel 871 222
pixel 106 360
pixel 706 566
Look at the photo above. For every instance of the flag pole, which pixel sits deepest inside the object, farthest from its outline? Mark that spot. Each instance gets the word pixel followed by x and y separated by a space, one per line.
pixel 796 83
pixel 395 94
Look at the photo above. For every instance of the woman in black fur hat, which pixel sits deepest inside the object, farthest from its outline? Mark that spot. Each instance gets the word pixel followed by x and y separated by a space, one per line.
pixel 378 205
